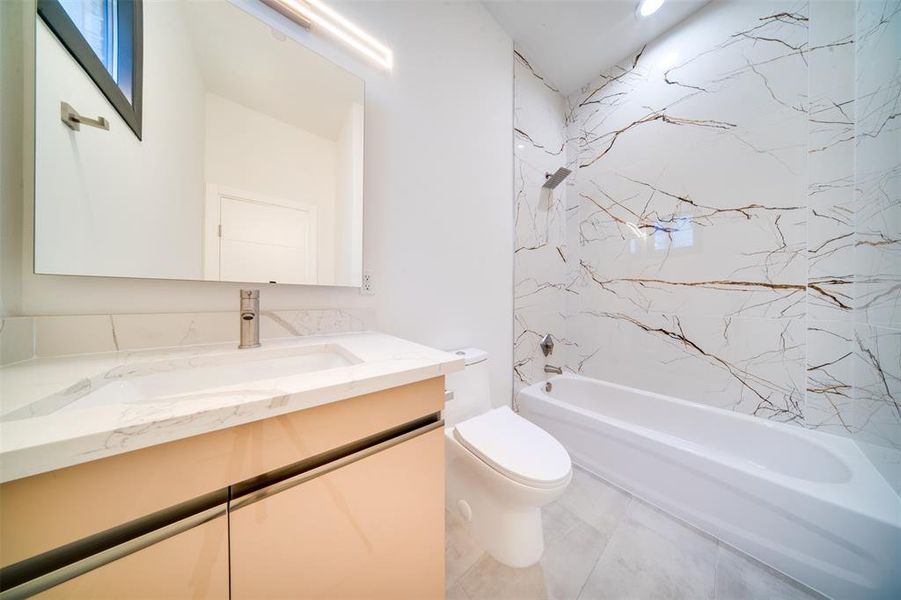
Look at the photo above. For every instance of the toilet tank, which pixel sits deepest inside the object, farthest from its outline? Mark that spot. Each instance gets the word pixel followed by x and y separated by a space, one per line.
pixel 470 387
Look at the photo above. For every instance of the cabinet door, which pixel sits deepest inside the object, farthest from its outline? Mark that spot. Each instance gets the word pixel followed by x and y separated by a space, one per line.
pixel 192 564
pixel 371 529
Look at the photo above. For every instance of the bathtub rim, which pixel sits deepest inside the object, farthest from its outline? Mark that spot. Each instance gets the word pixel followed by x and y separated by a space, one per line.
pixel 885 508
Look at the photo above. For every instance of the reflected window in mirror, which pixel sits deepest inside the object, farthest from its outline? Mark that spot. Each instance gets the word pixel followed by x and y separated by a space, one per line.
pixel 105 37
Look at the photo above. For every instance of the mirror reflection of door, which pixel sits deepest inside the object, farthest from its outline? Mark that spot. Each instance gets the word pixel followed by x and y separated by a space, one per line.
pixel 250 237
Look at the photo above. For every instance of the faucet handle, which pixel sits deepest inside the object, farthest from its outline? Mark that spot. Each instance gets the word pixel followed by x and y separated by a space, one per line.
pixel 547 345
pixel 250 294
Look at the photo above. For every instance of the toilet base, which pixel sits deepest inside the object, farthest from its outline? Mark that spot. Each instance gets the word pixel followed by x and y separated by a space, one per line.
pixel 515 539
pixel 505 515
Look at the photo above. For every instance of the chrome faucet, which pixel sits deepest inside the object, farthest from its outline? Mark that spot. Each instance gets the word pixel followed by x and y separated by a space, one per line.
pixel 250 319
pixel 553 369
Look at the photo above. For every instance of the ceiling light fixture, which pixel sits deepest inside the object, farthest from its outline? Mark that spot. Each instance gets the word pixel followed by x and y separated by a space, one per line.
pixel 646 8
pixel 309 12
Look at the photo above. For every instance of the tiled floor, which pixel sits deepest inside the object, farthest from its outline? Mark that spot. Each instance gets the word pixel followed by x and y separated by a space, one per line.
pixel 602 543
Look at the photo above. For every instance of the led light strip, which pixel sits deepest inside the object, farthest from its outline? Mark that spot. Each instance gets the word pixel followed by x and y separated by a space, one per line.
pixel 307 12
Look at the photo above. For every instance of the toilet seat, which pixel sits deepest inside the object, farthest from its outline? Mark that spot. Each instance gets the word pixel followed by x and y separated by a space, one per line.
pixel 516 448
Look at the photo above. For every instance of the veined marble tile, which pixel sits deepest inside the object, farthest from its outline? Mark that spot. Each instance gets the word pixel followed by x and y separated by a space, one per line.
pixel 529 327
pixel 16 339
pixel 831 199
pixel 138 331
pixel 77 334
pixel 877 385
pixel 65 335
pixel 544 270
pixel 731 231
pixel 878 245
pixel 694 177
pixel 854 381
pixel 831 363
pixel 755 366
pixel 878 161
pixel 691 181
pixel 289 323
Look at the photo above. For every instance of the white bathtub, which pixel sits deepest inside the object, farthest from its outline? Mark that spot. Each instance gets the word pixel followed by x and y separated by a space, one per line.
pixel 807 504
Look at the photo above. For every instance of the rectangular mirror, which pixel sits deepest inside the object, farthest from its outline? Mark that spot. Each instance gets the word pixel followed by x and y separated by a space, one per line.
pixel 230 152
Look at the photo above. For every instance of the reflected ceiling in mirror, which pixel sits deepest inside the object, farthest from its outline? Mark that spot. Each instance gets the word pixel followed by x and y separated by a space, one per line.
pixel 250 168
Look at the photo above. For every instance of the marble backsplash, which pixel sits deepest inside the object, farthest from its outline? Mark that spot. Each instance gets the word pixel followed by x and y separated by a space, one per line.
pixel 22 338
pixel 731 233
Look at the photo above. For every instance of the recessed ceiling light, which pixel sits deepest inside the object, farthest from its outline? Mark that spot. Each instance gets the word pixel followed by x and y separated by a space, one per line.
pixel 646 8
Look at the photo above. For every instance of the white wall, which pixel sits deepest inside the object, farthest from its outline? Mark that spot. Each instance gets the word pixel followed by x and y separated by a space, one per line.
pixel 438 183
pixel 11 116
pixel 253 152
pixel 102 206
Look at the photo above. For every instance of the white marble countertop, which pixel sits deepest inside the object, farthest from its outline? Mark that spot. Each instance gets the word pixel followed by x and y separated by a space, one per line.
pixel 52 435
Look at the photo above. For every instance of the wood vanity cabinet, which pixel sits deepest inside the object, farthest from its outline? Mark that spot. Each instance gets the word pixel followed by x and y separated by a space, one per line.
pixel 191 564
pixel 343 500
pixel 371 529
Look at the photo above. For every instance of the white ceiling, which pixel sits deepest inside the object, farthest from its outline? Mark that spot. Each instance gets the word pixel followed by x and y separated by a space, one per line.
pixel 244 60
pixel 570 42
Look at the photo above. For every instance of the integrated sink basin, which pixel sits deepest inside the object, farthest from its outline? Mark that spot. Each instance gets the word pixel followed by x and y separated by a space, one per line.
pixel 188 378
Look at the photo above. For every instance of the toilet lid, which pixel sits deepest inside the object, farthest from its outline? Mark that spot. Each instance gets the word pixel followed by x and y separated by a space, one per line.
pixel 516 447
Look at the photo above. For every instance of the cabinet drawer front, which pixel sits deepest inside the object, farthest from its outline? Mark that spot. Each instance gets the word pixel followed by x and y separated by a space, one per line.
pixel 371 529
pixel 192 564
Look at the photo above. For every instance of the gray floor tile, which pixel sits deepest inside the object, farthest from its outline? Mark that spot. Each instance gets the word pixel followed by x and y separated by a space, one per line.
pixel 653 556
pixel 597 503
pixel 490 580
pixel 557 521
pixel 568 561
pixel 456 593
pixel 739 577
pixel 461 550
pixel 602 543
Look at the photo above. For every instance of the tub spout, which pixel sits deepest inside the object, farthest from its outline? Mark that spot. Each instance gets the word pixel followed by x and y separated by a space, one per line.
pixel 553 369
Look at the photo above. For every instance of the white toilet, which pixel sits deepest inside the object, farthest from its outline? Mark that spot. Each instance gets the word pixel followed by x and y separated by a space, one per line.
pixel 501 468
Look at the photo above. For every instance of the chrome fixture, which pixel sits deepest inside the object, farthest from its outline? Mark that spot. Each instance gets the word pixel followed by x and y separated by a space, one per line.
pixel 547 345
pixel 552 180
pixel 309 13
pixel 291 13
pixel 74 121
pixel 548 386
pixel 553 369
pixel 250 319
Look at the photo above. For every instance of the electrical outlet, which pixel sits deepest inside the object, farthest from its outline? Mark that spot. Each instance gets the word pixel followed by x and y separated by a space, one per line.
pixel 366 287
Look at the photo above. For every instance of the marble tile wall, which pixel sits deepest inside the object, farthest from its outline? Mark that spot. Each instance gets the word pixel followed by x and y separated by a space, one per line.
pixel 876 336
pixel 44 337
pixel 691 178
pixel 733 222
pixel 545 273
pixel 16 339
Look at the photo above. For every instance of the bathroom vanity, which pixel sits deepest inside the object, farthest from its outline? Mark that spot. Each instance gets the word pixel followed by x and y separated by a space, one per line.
pixel 309 467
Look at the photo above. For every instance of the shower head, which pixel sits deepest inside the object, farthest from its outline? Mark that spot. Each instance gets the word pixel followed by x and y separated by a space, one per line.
pixel 552 180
